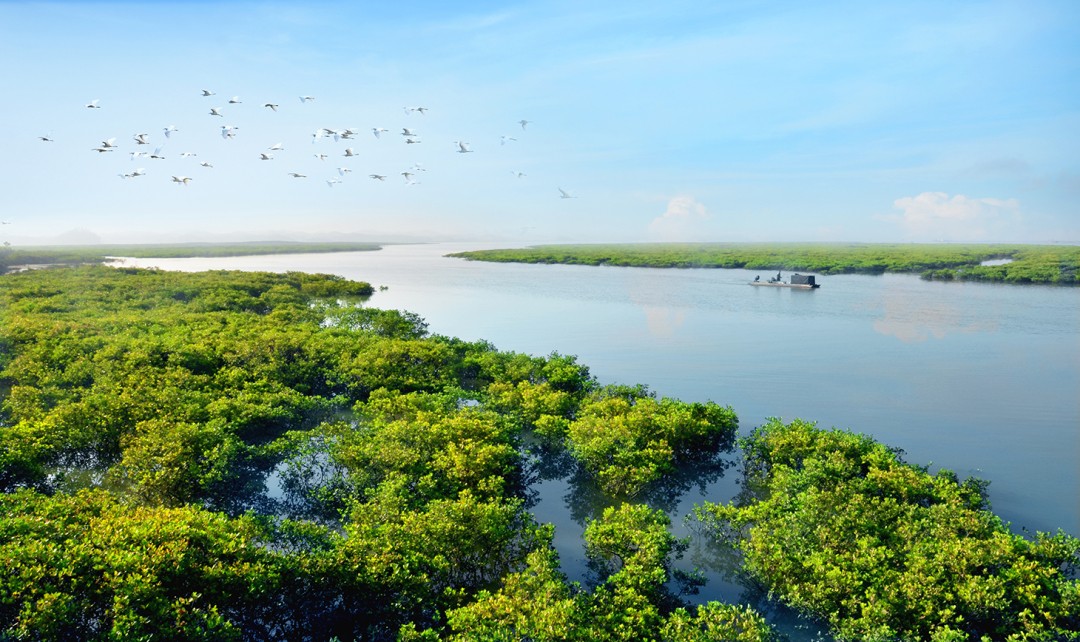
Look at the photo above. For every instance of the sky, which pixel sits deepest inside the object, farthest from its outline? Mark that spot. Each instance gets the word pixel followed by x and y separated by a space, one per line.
pixel 722 120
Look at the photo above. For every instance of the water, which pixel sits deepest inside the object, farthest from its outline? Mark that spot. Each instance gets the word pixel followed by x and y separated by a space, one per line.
pixel 982 379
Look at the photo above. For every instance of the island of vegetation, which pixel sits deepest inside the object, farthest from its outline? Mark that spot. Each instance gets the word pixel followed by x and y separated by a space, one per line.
pixel 145 415
pixel 12 257
pixel 1046 264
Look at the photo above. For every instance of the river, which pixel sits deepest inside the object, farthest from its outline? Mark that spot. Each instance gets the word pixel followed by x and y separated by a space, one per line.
pixel 982 379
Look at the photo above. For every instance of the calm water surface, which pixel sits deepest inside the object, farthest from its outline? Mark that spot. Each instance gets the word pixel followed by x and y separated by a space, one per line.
pixel 978 378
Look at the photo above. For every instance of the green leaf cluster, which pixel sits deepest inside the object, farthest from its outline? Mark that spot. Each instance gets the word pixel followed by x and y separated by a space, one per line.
pixel 838 526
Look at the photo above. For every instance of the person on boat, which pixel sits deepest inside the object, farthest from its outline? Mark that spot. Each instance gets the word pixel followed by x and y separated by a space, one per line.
pixel 757 277
pixel 778 276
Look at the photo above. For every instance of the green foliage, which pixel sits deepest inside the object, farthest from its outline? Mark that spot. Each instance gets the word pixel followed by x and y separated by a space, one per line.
pixel 1056 264
pixel 628 441
pixel 836 525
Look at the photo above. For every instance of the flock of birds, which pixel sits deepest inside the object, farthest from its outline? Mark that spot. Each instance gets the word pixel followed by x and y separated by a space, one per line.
pixel 143 142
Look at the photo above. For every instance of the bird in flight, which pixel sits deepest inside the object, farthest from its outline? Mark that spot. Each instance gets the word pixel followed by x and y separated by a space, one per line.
pixel 46 139
pixel 134 173
pixel 349 152
pixel 295 175
pixel 306 99
pixel 188 154
pixel 343 170
pixel 506 139
pixel 378 177
pixel 111 142
pixel 141 139
pixel 215 111
pixel 272 106
pixel 564 194
pixel 378 131
pixel 518 174
pixel 228 131
pixel 207 92
pixel 169 129
pixel 205 164
pixel 157 154
pixel 181 179
pixel 276 147
pixel 138 154
pixel 408 133
pixel 93 104
pixel 235 100
pixel 321 157
pixel 411 141
pixel 463 148
pixel 523 123
pixel 265 156
pixel 331 181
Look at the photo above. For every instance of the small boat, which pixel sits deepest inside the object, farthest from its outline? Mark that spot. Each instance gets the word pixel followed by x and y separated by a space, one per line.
pixel 798 281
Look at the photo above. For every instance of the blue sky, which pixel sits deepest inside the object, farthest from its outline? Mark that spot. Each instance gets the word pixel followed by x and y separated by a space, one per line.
pixel 678 120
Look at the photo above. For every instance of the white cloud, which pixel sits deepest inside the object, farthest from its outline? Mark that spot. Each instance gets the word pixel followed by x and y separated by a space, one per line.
pixel 937 216
pixel 682 221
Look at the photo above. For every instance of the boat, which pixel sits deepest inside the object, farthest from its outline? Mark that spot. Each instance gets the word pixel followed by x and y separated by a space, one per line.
pixel 798 281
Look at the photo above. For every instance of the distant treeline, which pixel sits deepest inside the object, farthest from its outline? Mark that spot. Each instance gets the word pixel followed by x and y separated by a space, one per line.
pixel 77 254
pixel 1053 264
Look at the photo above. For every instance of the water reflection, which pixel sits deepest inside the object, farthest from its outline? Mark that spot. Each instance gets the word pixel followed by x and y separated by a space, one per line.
pixel 911 316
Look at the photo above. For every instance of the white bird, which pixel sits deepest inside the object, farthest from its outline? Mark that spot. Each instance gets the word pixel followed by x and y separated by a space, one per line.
pixel 331 181
pixel 134 173
pixel 271 106
pixel 169 129
pixel 411 141
pixel 416 167
pixel 111 142
pixel 181 179
pixel 235 100
pixel 564 194
pixel 102 149
pixel 523 123
pixel 46 139
pixel 295 175
pixel 405 131
pixel 157 154
pixel 463 148
pixel 205 164
pixel 93 104
pixel 141 139
pixel 207 92
pixel 349 152
pixel 228 131
pixel 343 170
pixel 378 177
pixel 321 157
pixel 407 176
pixel 517 174
pixel 306 99
pixel 138 154
pixel 188 154
pixel 378 131
pixel 216 111
pixel 265 156
pixel 505 139
pixel 276 147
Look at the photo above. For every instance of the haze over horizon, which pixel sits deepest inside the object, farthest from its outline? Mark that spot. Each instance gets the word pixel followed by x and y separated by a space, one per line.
pixel 679 121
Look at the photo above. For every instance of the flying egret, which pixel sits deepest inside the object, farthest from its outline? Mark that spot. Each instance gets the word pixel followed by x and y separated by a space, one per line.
pixel 331 181
pixel 411 141
pixel 378 177
pixel 295 175
pixel 408 133
pixel 378 131
pixel 141 139
pixel 407 175
pixel 518 174
pixel 188 154
pixel 564 194
pixel 321 157
pixel 343 170
pixel 138 172
pixel 181 179
pixel 463 148
pixel 138 154
pixel 276 147
pixel 205 164
pixel 505 139
pixel 157 154
pixel 102 149
pixel 169 129
pixel 523 123
pixel 228 131
pixel 216 111
pixel 111 142
pixel 349 152
pixel 46 139
pixel 235 100
pixel 306 99
pixel 207 92
pixel 265 156
pixel 272 106
pixel 93 104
